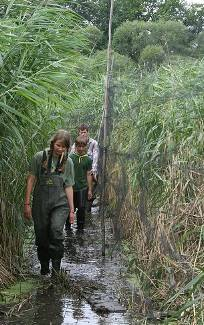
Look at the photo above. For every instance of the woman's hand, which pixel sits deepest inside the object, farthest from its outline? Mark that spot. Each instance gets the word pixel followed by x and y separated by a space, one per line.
pixel 27 211
pixel 71 216
pixel 95 177
pixel 90 194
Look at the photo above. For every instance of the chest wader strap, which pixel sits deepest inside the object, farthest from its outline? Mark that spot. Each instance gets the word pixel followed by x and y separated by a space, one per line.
pixel 44 163
pixel 49 163
pixel 61 163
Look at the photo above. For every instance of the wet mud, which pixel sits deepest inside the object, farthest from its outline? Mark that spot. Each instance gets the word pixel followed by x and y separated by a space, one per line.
pixel 89 289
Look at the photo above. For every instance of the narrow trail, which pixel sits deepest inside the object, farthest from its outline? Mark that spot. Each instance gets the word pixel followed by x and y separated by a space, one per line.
pixel 94 282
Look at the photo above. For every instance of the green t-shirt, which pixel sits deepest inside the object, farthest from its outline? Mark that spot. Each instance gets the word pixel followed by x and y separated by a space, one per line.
pixel 67 174
pixel 82 164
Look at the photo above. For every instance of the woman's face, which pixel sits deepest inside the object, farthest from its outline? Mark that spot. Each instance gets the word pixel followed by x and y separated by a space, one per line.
pixel 59 148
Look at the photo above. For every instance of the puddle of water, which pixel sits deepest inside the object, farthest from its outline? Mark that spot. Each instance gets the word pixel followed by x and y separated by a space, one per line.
pixel 82 314
pixel 84 263
pixel 49 308
pixel 90 272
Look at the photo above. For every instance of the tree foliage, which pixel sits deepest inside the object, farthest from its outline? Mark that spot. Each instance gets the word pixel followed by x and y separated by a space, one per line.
pixel 97 12
pixel 194 18
pixel 95 38
pixel 94 11
pixel 152 55
pixel 132 37
pixel 171 10
pixel 198 45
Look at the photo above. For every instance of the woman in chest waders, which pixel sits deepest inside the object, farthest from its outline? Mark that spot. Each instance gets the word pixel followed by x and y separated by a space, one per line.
pixel 51 175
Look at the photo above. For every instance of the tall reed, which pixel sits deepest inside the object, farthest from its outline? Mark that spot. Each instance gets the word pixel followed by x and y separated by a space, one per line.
pixel 159 144
pixel 38 78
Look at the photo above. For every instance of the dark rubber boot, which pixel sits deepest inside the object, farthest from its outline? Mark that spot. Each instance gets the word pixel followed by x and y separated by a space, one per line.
pixel 44 267
pixel 80 226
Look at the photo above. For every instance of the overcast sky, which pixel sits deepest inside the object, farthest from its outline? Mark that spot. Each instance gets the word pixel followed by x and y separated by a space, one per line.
pixel 195 1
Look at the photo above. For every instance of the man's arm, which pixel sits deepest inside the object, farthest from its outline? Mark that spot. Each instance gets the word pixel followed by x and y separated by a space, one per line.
pixel 95 159
pixel 89 182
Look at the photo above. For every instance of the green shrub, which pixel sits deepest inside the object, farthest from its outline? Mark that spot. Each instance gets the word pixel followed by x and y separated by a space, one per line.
pixel 152 55
pixel 132 37
pixel 199 45
pixel 95 37
pixel 172 35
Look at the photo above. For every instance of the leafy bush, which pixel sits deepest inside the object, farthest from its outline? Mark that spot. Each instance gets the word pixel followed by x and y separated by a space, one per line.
pixel 97 63
pixel 95 38
pixel 198 45
pixel 152 55
pixel 173 36
pixel 132 37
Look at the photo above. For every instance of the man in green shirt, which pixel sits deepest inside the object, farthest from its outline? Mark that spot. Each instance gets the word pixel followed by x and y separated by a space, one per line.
pixel 83 180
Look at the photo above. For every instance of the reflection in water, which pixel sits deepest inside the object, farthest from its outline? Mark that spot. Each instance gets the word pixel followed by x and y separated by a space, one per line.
pixel 82 314
pixel 49 308
pixel 69 244
pixel 80 239
pixel 77 309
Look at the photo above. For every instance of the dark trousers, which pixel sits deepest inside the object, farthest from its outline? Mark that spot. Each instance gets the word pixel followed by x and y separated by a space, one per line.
pixel 80 199
pixel 94 192
pixel 80 218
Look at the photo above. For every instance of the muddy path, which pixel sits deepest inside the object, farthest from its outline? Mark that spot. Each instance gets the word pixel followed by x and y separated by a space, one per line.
pixel 92 284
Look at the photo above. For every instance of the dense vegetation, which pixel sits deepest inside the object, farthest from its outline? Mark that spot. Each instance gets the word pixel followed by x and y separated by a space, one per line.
pixel 52 75
pixel 163 206
pixel 40 47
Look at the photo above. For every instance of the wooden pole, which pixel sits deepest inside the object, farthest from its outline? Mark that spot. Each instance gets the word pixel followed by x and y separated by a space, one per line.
pixel 105 129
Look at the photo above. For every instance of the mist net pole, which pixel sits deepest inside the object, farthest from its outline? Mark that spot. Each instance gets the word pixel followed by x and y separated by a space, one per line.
pixel 105 129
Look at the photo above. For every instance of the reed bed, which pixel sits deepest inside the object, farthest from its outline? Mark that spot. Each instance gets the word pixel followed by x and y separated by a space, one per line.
pixel 155 184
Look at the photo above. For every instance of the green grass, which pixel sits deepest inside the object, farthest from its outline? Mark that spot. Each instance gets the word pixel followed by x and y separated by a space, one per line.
pixel 16 292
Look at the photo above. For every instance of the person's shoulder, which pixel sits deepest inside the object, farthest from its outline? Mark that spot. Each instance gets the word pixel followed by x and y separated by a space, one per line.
pixel 69 160
pixel 38 155
pixel 71 155
pixel 88 160
pixel 93 141
pixel 72 148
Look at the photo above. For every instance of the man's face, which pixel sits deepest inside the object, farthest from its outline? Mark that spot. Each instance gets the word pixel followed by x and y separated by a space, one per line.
pixel 84 134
